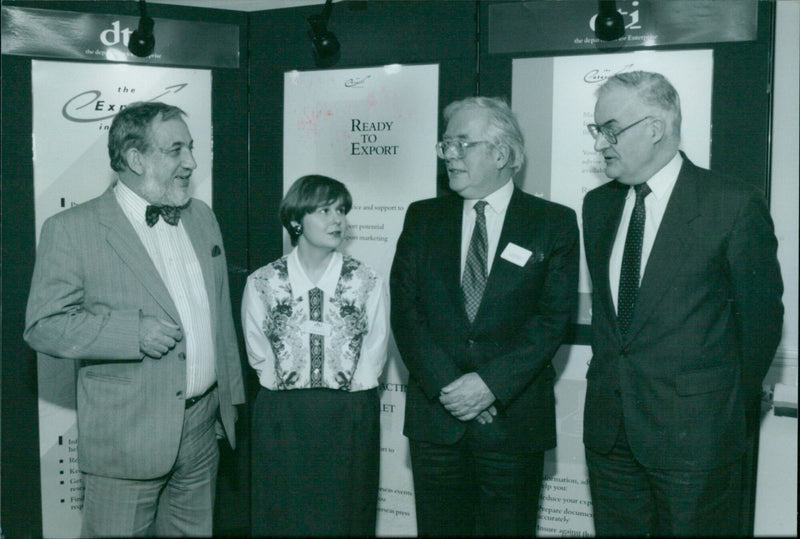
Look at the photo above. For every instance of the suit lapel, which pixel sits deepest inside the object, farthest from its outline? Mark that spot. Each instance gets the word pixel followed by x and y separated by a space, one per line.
pixel 606 233
pixel 672 238
pixel 123 239
pixel 522 226
pixel 517 229
pixel 446 251
pixel 199 238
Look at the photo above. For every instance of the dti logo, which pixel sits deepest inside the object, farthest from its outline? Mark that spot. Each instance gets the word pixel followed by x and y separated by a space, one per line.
pixel 633 16
pixel 112 36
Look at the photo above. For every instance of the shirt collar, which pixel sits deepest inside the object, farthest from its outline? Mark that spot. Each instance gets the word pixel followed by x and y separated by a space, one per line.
pixel 661 182
pixel 497 201
pixel 132 204
pixel 300 282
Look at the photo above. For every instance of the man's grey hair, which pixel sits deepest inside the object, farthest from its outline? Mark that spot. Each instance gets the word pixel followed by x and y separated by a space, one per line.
pixel 653 89
pixel 503 126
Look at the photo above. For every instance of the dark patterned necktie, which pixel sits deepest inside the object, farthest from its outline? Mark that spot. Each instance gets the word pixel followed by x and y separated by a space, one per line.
pixel 474 280
pixel 632 261
pixel 170 214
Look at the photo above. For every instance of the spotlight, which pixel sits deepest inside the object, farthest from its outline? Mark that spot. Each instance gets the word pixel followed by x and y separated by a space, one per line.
pixel 142 41
pixel 608 25
pixel 325 46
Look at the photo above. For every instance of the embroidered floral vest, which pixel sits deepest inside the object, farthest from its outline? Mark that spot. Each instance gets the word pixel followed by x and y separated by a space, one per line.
pixel 317 344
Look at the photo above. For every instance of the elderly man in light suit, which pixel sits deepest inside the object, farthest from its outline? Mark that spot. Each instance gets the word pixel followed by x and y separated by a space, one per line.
pixel 133 286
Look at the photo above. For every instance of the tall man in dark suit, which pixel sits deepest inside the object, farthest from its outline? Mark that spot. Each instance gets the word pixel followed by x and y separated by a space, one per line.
pixel 136 290
pixel 483 289
pixel 686 318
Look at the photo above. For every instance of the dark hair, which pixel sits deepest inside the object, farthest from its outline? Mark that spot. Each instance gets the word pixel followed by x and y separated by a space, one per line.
pixel 307 194
pixel 131 129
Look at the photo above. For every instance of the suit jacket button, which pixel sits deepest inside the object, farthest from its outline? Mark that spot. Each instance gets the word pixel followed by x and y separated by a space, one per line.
pixel 182 356
pixel 617 392
pixel 470 343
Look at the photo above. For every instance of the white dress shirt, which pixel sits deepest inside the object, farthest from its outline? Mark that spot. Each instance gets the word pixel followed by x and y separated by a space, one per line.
pixel 495 212
pixel 661 185
pixel 173 255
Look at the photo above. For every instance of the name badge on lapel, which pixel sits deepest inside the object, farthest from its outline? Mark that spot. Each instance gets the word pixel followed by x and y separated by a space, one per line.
pixel 317 328
pixel 516 254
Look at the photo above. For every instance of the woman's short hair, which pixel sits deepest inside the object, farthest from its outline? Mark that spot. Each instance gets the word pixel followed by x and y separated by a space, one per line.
pixel 503 128
pixel 130 128
pixel 307 194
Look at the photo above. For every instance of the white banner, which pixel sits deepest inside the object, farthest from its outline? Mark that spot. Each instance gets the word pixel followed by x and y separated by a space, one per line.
pixel 374 130
pixel 554 101
pixel 73 105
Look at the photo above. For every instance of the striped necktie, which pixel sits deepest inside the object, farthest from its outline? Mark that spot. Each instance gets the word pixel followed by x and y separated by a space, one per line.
pixel 474 280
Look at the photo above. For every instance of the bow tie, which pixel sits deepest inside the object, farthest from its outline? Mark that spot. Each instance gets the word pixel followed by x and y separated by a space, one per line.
pixel 170 214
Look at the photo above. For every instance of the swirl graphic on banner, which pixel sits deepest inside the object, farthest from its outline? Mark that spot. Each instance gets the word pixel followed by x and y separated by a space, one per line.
pixel 82 107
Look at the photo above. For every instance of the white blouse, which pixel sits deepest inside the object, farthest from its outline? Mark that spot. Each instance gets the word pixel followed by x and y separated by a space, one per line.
pixel 330 334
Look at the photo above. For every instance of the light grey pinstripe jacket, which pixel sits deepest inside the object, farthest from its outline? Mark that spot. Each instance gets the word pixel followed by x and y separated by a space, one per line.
pixel 92 277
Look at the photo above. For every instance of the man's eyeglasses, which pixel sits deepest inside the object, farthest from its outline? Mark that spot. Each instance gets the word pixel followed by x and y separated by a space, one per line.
pixel 457 147
pixel 611 135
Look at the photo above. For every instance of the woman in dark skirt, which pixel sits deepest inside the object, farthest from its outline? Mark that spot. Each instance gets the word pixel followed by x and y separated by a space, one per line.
pixel 316 325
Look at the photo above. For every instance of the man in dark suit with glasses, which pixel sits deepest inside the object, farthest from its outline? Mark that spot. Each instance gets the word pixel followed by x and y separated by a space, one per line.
pixel 686 317
pixel 484 286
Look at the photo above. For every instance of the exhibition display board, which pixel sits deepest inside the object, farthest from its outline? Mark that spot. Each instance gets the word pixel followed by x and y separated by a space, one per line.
pixel 553 98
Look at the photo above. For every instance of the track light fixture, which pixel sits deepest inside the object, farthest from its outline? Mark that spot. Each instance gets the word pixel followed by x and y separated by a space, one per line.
pixel 609 25
pixel 325 46
pixel 142 41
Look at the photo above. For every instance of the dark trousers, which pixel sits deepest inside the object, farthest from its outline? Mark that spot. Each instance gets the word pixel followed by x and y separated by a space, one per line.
pixel 630 499
pixel 468 489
